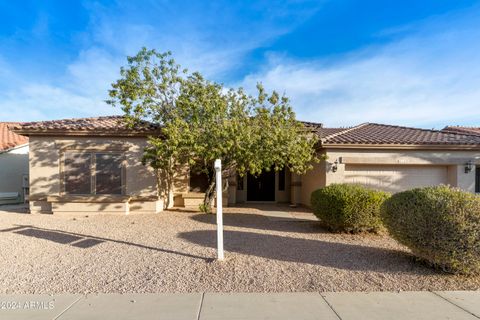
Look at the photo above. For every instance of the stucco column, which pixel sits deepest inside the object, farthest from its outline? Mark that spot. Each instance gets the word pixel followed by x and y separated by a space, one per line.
pixel 295 189
pixel 334 173
pixel 461 179
pixel 232 190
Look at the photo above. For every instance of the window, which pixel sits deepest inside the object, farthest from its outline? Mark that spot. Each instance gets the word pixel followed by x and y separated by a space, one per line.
pixel 477 179
pixel 281 180
pixel 108 173
pixel 93 173
pixel 78 175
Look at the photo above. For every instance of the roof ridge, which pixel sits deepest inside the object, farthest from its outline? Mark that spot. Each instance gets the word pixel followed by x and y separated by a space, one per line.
pixel 333 135
pixel 404 127
pixel 67 119
pixel 431 130
pixel 421 129
pixel 459 126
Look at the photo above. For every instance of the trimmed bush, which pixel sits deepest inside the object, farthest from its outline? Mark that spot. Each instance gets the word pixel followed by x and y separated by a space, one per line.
pixel 440 225
pixel 349 207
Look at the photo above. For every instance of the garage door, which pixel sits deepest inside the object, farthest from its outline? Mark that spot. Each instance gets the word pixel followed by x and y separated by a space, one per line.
pixel 396 178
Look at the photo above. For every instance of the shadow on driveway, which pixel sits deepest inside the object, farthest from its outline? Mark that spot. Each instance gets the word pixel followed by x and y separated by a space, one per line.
pixel 82 240
pixel 317 252
pixel 261 222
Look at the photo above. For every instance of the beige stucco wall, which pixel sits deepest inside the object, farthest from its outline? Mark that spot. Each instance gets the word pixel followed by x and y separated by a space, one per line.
pixel 312 181
pixel 45 159
pixel 13 166
pixel 452 160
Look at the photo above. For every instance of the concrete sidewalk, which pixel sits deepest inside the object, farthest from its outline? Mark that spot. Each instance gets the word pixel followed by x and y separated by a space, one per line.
pixel 345 305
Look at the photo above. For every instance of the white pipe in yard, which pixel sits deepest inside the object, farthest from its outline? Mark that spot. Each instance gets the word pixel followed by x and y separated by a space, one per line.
pixel 218 182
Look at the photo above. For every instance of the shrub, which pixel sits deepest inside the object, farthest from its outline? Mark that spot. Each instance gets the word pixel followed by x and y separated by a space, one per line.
pixel 349 207
pixel 440 225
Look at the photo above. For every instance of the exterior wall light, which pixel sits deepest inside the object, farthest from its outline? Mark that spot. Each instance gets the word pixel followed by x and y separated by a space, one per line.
pixel 335 166
pixel 468 166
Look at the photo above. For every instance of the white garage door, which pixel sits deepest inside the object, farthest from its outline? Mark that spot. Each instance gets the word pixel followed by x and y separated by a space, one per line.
pixel 395 178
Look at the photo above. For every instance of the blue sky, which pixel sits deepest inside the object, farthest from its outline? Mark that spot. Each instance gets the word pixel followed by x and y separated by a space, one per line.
pixel 410 62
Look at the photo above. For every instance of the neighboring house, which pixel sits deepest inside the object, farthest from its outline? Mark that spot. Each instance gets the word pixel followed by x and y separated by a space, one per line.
pixel 13 165
pixel 94 164
pixel 460 129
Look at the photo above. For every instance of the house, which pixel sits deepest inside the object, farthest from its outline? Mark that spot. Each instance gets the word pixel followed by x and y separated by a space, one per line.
pixel 460 129
pixel 94 164
pixel 392 158
pixel 13 165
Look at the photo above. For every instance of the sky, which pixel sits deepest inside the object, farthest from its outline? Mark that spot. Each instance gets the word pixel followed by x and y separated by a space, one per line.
pixel 341 62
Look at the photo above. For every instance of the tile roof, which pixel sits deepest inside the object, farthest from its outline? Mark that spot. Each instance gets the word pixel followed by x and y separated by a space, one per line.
pixel 381 134
pixel 364 134
pixel 8 138
pixel 321 130
pixel 460 129
pixel 108 125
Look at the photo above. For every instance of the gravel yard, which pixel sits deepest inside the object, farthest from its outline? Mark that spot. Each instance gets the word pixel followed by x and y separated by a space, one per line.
pixel 268 249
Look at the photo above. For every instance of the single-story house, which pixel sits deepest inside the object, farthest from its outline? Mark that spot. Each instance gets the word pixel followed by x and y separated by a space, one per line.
pixel 13 165
pixel 460 129
pixel 94 164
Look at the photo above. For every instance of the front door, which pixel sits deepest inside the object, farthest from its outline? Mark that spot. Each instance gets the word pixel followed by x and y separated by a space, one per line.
pixel 261 188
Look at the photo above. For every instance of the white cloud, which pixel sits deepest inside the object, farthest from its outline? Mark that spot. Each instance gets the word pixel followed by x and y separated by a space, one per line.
pixel 428 78
pixel 200 40
pixel 80 92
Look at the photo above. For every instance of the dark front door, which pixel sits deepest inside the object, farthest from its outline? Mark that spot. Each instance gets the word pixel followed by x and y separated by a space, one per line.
pixel 261 188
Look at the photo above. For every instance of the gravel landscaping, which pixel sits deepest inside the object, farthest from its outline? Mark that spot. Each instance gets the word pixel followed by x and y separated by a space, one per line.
pixel 268 249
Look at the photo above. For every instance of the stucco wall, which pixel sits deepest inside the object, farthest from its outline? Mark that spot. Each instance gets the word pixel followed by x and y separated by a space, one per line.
pixel 45 159
pixel 312 181
pixel 453 160
pixel 13 166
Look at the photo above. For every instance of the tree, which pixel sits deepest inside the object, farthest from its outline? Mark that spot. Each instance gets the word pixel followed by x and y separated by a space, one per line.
pixel 202 121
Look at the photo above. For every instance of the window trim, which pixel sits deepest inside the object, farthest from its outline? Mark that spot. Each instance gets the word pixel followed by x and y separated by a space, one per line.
pixel 93 171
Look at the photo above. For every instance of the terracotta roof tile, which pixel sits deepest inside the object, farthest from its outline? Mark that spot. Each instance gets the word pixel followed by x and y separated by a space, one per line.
pixel 8 138
pixel 103 125
pixel 380 134
pixel 321 130
pixel 460 129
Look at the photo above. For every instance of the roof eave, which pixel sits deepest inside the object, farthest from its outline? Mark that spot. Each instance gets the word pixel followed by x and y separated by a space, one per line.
pixel 18 146
pixel 401 146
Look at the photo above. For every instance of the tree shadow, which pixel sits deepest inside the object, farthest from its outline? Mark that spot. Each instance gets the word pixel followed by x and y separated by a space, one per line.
pixel 261 222
pixel 317 252
pixel 273 207
pixel 84 241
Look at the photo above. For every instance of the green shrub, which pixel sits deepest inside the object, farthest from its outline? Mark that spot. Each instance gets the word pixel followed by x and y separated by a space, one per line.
pixel 441 225
pixel 349 207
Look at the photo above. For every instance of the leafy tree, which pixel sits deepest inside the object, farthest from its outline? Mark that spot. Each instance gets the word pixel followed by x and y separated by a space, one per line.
pixel 201 121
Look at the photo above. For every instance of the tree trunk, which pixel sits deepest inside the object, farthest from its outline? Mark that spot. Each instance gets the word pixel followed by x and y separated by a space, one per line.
pixel 211 193
pixel 164 185
pixel 209 196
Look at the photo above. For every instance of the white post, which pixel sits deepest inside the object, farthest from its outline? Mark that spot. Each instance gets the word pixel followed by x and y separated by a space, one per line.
pixel 218 182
